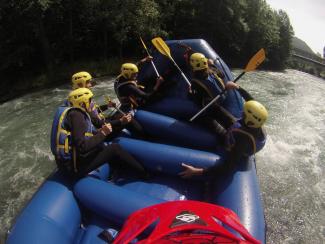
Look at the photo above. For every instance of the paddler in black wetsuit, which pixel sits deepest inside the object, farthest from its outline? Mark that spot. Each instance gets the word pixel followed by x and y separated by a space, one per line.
pixel 86 150
pixel 129 93
pixel 243 138
pixel 206 85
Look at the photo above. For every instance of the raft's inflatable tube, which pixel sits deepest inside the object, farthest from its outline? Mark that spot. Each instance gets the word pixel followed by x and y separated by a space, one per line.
pixel 175 132
pixel 165 158
pixel 174 107
pixel 186 109
pixel 239 191
pixel 110 201
pixel 164 65
pixel 52 216
pixel 101 173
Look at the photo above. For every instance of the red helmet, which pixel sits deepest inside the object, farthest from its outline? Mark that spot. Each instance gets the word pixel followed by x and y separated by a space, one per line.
pixel 185 222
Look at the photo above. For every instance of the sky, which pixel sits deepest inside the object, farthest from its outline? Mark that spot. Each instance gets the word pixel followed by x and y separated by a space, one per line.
pixel 307 18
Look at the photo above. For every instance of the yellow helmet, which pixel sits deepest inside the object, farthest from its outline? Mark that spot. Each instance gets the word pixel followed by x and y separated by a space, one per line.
pixel 81 98
pixel 198 61
pixel 128 69
pixel 255 114
pixel 80 78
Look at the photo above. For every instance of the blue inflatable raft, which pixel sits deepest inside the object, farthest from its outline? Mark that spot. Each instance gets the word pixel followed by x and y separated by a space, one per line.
pixel 63 211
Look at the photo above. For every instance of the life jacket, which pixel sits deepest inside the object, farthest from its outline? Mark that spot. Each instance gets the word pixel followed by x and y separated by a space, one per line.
pixel 212 86
pixel 61 143
pixel 257 143
pixel 130 102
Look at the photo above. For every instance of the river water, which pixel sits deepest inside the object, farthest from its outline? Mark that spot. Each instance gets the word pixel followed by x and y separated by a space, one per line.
pixel 290 168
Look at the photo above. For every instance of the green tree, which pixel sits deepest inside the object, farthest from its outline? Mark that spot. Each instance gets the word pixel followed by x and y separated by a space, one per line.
pixel 130 18
pixel 284 46
pixel 43 36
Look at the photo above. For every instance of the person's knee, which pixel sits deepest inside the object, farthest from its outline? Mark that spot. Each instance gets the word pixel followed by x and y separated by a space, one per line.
pixel 115 147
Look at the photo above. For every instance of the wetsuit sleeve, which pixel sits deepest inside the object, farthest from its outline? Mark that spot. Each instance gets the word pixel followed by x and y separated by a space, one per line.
pixel 97 122
pixel 140 63
pixel 245 94
pixel 233 157
pixel 221 169
pixel 135 91
pixel 218 170
pixel 114 123
pixel 78 129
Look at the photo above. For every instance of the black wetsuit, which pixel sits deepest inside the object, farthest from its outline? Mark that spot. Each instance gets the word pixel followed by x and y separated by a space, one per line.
pixel 91 153
pixel 131 97
pixel 243 147
pixel 237 153
pixel 129 94
pixel 215 113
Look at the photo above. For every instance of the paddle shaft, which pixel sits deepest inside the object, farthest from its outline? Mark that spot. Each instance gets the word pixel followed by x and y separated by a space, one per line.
pixel 207 106
pixel 223 69
pixel 115 107
pixel 239 76
pixel 152 63
pixel 119 110
pixel 215 99
pixel 179 69
pixel 164 50
pixel 154 67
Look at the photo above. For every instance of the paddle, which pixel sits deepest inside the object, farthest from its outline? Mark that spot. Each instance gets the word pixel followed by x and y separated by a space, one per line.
pixel 109 101
pixel 164 50
pixel 152 63
pixel 253 63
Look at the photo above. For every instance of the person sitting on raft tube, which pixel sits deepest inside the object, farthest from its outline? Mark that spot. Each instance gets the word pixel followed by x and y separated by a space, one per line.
pixel 206 85
pixel 243 139
pixel 80 147
pixel 129 93
pixel 84 80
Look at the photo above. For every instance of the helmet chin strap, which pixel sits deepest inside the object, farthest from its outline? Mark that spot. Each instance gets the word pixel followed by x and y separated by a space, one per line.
pixel 83 105
pixel 249 123
pixel 134 76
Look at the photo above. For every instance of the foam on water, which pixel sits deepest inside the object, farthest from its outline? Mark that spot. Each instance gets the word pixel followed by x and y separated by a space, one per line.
pixel 291 167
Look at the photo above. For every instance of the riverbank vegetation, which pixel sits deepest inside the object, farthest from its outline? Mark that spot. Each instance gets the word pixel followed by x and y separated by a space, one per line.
pixel 45 41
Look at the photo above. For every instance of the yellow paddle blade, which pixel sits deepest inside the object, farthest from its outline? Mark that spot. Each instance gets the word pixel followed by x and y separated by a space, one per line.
pixel 107 98
pixel 255 61
pixel 161 46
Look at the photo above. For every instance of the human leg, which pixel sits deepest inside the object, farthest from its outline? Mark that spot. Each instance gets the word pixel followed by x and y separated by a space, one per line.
pixel 116 156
